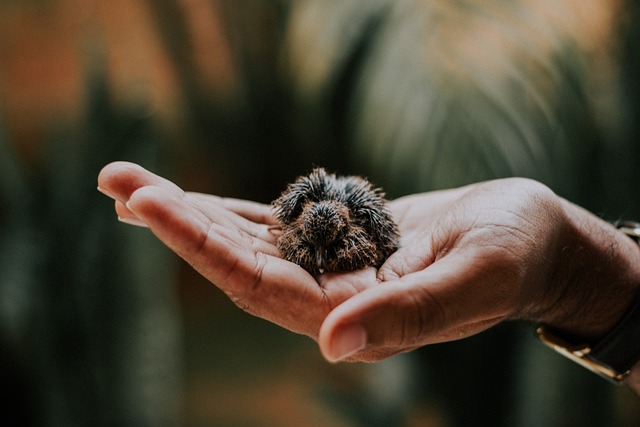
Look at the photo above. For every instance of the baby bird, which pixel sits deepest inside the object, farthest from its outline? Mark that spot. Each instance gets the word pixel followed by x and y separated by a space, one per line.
pixel 334 223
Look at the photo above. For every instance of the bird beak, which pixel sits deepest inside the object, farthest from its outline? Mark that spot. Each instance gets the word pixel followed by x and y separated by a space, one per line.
pixel 321 255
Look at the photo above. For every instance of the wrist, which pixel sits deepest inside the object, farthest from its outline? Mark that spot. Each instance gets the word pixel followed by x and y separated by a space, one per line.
pixel 593 278
pixel 599 330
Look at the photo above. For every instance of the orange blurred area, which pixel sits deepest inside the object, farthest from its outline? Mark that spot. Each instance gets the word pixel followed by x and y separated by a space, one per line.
pixel 48 50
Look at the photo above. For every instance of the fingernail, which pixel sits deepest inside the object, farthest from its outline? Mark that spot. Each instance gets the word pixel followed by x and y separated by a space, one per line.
pixel 347 341
pixel 132 221
pixel 105 192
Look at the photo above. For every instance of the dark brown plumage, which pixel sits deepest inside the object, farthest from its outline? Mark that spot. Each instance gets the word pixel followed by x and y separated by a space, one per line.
pixel 334 223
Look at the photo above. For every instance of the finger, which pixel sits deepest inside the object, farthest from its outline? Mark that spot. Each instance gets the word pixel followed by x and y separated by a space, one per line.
pixel 352 281
pixel 340 286
pixel 435 305
pixel 188 226
pixel 420 250
pixel 251 217
pixel 248 270
pixel 414 256
pixel 413 211
pixel 120 179
pixel 253 211
pixel 126 216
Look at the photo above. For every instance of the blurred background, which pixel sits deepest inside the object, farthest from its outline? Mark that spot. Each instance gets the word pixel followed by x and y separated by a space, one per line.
pixel 101 325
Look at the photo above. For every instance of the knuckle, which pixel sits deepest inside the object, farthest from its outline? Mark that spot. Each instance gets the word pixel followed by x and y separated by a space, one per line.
pixel 426 319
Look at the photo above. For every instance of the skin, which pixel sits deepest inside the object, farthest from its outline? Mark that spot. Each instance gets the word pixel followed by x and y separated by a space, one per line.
pixel 470 258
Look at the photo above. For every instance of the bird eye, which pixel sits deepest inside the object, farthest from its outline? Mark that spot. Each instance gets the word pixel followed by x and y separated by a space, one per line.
pixel 313 188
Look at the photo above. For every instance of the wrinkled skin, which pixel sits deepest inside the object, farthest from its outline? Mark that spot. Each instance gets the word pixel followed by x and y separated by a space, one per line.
pixel 470 258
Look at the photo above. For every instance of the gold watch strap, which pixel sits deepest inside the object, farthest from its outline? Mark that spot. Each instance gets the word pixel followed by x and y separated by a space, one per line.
pixel 580 353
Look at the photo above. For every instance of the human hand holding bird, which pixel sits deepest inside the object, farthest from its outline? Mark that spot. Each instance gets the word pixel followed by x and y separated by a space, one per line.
pixel 469 259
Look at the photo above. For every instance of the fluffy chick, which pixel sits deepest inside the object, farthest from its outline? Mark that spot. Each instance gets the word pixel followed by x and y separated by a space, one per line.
pixel 334 223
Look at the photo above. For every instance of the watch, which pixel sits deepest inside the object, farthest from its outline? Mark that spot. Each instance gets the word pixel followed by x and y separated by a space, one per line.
pixel 612 356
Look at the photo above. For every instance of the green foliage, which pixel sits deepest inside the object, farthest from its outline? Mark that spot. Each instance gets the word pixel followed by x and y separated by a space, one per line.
pixel 87 311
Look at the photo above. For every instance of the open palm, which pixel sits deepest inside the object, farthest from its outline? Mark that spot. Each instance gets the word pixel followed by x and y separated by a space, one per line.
pixel 231 243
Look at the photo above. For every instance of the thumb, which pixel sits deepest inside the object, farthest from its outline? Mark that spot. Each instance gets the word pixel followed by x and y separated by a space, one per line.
pixel 374 324
pixel 440 303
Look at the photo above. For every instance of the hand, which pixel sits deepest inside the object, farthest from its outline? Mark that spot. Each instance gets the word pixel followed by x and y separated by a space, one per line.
pixel 475 256
pixel 230 243
pixel 470 258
